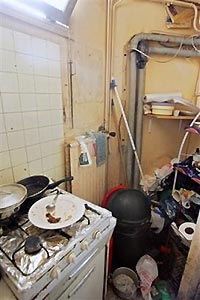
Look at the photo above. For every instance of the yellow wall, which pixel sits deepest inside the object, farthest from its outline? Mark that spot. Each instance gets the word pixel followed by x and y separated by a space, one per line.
pixel 161 142
pixel 87 49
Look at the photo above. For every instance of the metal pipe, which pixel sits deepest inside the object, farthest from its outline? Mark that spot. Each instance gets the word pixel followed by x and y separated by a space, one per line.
pixel 163 38
pixel 133 83
pixel 131 115
pixel 139 127
pixel 172 51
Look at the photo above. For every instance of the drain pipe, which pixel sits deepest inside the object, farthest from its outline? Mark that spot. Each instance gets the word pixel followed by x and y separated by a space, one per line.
pixel 136 97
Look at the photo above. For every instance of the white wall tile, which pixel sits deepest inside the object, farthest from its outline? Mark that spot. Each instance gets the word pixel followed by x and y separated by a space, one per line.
pixel 44 118
pixel 54 85
pixel 47 162
pixel 8 83
pixel 2 124
pixel 13 121
pixel 18 156
pixel 41 66
pixel 24 63
pixel 4 160
pixel 35 167
pixel 56 101
pixel 53 51
pixel 11 103
pixel 56 117
pixel 51 173
pixel 46 148
pixel 22 42
pixel 33 152
pixel 16 140
pixel 57 159
pixel 57 132
pixel 31 136
pixel 41 84
pixel 3 142
pixel 6 176
pixel 57 145
pixel 21 172
pixel 54 68
pixel 43 102
pixel 6 39
pixel 30 119
pixel 39 47
pixel 26 83
pixel 28 102
pixel 7 61
pixel 31 107
pixel 45 134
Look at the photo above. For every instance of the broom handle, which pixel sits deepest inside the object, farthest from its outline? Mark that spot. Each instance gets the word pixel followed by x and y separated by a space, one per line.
pixel 130 136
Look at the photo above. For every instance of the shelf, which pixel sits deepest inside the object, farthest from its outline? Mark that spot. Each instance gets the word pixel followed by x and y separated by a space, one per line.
pixel 170 117
pixel 183 171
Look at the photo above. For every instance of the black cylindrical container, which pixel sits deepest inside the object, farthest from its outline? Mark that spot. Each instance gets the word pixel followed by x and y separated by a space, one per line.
pixel 130 237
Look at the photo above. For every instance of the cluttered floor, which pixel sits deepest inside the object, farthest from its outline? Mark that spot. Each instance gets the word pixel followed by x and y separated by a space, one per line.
pixel 151 239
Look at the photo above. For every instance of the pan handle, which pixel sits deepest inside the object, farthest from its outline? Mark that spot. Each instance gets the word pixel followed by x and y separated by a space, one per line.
pixel 56 183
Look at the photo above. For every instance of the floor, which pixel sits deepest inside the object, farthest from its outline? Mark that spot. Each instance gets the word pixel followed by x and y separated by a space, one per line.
pixel 112 296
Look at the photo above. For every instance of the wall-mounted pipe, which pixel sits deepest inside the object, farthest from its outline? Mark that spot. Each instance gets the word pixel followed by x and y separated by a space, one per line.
pixel 136 99
pixel 172 51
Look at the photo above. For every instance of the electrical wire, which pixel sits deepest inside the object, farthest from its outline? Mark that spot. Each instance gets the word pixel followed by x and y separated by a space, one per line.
pixel 193 45
pixel 161 61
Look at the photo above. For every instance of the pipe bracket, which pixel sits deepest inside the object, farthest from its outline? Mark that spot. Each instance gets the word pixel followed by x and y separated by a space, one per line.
pixel 141 60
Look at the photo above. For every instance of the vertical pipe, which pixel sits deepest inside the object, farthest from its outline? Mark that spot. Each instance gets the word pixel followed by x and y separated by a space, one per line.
pixel 131 115
pixel 139 120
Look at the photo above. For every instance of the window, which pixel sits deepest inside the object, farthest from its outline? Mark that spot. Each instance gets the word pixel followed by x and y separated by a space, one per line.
pixel 53 10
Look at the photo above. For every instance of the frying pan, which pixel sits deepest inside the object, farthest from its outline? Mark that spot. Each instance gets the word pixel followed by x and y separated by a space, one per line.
pixel 36 185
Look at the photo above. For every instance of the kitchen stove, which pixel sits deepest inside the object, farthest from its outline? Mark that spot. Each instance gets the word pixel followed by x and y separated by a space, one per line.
pixel 41 264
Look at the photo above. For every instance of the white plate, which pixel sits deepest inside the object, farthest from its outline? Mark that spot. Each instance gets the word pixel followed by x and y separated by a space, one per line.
pixel 67 207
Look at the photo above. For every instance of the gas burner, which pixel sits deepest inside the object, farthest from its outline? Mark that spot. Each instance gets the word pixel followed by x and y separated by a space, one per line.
pixel 32 244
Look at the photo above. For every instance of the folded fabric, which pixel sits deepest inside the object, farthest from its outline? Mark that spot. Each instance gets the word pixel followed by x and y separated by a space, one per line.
pixel 101 148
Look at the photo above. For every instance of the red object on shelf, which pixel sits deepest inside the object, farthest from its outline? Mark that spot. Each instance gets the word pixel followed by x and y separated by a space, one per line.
pixel 105 204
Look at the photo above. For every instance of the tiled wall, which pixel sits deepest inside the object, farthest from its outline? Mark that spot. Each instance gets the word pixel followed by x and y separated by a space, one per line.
pixel 31 109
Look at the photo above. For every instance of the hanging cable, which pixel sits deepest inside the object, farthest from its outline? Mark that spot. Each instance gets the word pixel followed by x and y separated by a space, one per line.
pixel 193 45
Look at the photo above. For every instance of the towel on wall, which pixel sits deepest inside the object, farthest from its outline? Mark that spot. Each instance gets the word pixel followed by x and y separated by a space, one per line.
pixel 101 148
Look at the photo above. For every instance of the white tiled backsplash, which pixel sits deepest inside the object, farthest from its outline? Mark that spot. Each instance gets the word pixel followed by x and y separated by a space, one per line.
pixel 31 108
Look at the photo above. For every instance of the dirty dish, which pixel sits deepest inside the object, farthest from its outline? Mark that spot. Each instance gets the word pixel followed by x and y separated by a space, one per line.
pixel 68 210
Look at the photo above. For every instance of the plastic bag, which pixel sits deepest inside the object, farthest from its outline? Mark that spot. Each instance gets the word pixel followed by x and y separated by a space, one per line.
pixel 84 158
pixel 147 271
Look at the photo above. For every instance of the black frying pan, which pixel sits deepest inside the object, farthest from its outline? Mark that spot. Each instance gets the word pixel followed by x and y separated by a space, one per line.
pixel 36 185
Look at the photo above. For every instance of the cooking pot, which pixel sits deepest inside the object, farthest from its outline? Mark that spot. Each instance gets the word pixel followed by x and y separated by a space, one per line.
pixel 11 198
pixel 125 283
